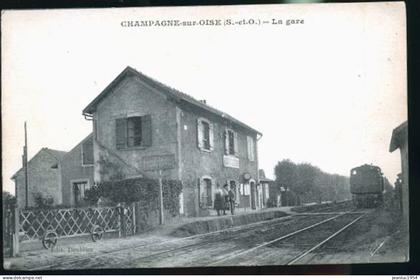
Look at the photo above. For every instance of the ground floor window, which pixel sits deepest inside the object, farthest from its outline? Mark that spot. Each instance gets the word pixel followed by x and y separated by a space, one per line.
pixel 206 193
pixel 79 189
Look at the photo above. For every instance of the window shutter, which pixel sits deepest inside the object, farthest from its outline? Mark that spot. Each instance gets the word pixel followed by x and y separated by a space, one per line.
pixel 146 130
pixel 199 134
pixel 235 143
pixel 211 136
pixel 199 191
pixel 121 133
pixel 225 136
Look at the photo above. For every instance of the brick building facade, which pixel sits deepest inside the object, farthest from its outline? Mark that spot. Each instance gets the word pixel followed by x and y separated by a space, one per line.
pixel 141 126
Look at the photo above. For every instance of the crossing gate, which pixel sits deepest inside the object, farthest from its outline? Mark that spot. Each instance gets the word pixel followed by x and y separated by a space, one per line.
pixel 8 230
pixel 70 222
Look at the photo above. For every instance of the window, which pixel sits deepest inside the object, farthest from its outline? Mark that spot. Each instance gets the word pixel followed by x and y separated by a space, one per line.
pixel 231 146
pixel 87 152
pixel 79 189
pixel 204 134
pixel 134 132
pixel 251 148
pixel 206 194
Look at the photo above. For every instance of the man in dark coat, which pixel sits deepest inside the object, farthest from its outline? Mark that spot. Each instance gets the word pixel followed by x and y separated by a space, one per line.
pixel 219 200
pixel 231 196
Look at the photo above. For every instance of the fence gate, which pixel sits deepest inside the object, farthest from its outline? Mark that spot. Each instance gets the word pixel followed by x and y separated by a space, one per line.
pixel 8 230
pixel 70 222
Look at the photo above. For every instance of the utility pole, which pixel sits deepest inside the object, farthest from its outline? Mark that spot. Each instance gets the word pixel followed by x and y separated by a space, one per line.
pixel 25 167
pixel 161 216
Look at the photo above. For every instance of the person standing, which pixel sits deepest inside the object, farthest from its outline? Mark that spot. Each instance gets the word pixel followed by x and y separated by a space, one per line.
pixel 219 200
pixel 231 196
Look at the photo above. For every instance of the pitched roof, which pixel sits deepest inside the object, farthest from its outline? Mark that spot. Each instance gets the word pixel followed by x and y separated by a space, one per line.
pixel 399 134
pixel 171 92
pixel 82 141
pixel 58 155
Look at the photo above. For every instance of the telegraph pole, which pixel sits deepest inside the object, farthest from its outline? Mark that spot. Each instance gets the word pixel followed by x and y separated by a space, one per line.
pixel 161 215
pixel 25 166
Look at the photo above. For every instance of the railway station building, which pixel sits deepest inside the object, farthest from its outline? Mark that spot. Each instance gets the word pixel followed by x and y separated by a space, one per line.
pixel 399 140
pixel 149 129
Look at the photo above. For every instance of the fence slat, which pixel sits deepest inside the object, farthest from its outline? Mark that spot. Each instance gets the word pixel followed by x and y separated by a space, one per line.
pixel 71 222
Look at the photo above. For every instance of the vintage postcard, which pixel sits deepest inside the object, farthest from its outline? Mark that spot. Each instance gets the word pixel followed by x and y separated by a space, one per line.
pixel 204 136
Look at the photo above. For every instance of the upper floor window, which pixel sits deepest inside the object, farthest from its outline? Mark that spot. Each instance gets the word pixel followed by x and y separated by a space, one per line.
pixel 251 148
pixel 134 132
pixel 205 134
pixel 231 142
pixel 87 152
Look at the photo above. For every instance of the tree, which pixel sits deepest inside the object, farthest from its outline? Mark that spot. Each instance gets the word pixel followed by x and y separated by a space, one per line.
pixel 9 200
pixel 309 183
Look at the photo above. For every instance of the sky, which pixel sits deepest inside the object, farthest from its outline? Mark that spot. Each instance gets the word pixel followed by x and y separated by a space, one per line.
pixel 328 91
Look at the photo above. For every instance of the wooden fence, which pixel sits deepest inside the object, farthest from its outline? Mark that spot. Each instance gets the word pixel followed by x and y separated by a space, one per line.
pixel 71 222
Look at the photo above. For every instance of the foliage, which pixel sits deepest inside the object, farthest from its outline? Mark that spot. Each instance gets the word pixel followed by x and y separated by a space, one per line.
pixel 9 200
pixel 307 183
pixel 171 189
pixel 109 170
pixel 271 202
pixel 142 190
pixel 42 201
pixel 92 195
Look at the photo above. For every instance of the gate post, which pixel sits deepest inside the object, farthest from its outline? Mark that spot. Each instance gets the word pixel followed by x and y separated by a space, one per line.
pixel 15 229
pixel 134 218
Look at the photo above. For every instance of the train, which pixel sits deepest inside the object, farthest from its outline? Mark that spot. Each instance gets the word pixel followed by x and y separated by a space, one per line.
pixel 367 186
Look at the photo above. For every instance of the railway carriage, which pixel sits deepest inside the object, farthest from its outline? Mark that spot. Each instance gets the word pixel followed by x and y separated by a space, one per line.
pixel 367 186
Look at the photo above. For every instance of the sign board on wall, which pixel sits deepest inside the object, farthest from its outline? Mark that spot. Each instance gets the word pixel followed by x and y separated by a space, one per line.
pixel 158 162
pixel 230 161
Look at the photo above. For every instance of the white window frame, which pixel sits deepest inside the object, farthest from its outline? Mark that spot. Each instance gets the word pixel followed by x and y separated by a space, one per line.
pixel 200 135
pixel 227 143
pixel 202 190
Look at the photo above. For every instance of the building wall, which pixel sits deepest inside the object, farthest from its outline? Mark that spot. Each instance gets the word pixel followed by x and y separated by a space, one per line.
pixel 404 168
pixel 133 97
pixel 41 178
pixel 197 164
pixel 72 170
pixel 174 132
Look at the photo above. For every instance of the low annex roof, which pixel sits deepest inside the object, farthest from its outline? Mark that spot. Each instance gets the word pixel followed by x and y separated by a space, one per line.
pixel 175 94
pixel 399 134
pixel 57 154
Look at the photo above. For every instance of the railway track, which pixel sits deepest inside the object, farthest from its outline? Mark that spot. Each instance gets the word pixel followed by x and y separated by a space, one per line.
pixel 263 233
pixel 76 260
pixel 300 250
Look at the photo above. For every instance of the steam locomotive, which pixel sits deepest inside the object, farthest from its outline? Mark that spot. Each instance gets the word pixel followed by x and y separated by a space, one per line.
pixel 367 186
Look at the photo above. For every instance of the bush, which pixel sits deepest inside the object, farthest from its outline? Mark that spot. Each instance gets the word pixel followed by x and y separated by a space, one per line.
pixel 43 202
pixel 142 190
pixel 271 202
